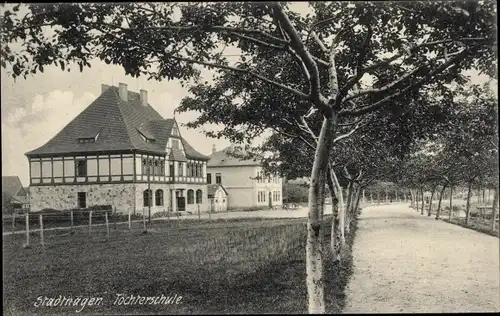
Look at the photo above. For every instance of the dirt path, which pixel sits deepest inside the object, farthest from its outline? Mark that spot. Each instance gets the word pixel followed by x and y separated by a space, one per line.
pixel 406 262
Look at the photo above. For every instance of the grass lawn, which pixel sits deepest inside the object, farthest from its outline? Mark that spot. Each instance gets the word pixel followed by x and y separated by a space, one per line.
pixel 240 266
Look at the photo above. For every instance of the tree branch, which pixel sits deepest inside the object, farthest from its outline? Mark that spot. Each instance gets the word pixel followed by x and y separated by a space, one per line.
pixel 339 138
pixel 384 88
pixel 380 103
pixel 316 97
pixel 357 76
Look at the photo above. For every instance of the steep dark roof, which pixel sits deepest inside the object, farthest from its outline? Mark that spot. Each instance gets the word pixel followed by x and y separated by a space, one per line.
pixel 212 188
pixel 118 125
pixel 11 185
pixel 221 158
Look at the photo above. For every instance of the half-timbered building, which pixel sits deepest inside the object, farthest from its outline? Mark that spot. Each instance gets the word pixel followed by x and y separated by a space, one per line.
pixel 119 151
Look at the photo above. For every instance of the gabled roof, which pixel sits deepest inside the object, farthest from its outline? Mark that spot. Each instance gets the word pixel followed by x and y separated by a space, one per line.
pixel 19 200
pixel 221 158
pixel 119 125
pixel 11 185
pixel 212 188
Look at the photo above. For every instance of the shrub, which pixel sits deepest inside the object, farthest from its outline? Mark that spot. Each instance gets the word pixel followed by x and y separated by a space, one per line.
pixel 161 214
pixel 456 208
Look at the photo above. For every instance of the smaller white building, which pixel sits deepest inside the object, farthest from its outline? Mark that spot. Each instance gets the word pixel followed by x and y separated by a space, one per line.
pixel 244 179
pixel 217 196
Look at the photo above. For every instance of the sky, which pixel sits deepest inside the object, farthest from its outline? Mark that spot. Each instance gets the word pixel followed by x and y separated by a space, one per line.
pixel 33 110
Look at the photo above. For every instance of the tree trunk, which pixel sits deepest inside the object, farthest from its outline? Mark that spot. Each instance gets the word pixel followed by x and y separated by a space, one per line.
pixel 440 199
pixel 467 208
pixel 451 204
pixel 423 202
pixel 494 210
pixel 416 195
pixel 335 238
pixel 341 208
pixel 315 236
pixel 348 209
pixel 378 197
pixel 430 201
pixel 356 205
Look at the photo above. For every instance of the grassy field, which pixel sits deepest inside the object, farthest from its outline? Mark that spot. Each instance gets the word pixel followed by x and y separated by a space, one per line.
pixel 237 266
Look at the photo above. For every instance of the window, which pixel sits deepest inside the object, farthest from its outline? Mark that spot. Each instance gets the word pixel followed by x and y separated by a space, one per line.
pixel 175 131
pixel 86 140
pixel 81 167
pixel 82 199
pixel 156 169
pixel 189 169
pixel 218 178
pixel 162 167
pixel 209 178
pixel 199 196
pixel 180 169
pixel 147 197
pixel 175 143
pixel 172 169
pixel 190 197
pixel 159 197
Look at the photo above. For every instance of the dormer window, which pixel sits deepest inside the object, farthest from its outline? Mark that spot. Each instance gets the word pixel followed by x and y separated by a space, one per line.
pixel 148 138
pixel 90 135
pixel 88 139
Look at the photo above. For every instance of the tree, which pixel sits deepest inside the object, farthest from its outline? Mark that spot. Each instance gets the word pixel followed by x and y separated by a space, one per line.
pixel 401 46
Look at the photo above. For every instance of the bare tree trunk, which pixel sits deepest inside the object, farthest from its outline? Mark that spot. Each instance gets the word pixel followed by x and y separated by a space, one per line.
pixel 494 210
pixel 315 236
pixel 451 204
pixel 430 201
pixel 348 209
pixel 416 195
pixel 467 208
pixel 423 202
pixel 340 196
pixel 440 199
pixel 335 238
pixel 356 205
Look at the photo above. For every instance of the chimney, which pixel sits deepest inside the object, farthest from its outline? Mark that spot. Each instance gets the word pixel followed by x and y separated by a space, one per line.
pixel 213 149
pixel 104 87
pixel 144 97
pixel 122 91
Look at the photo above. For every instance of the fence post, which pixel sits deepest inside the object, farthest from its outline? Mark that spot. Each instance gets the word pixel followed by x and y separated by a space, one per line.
pixel 27 229
pixel 41 230
pixel 90 222
pixel 107 226
pixel 199 217
pixel 71 215
pixel 129 220
pixel 144 220
pixel 13 222
pixel 114 216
